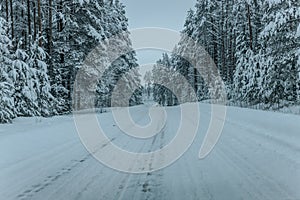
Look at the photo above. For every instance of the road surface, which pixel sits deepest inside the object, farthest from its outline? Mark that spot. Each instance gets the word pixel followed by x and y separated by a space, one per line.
pixel 257 157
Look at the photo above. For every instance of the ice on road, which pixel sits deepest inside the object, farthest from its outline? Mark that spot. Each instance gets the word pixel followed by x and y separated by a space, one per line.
pixel 257 157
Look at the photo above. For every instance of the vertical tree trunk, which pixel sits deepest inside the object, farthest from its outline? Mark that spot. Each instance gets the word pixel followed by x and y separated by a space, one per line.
pixel 6 9
pixel 23 26
pixel 7 15
pixel 50 39
pixel 250 27
pixel 34 21
pixel 60 29
pixel 12 19
pixel 40 22
pixel 60 21
pixel 59 10
pixel 222 51
pixel 28 20
pixel 255 30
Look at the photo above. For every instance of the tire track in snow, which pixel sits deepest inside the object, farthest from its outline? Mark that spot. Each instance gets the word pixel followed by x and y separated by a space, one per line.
pixel 144 185
pixel 126 181
pixel 122 182
pixel 51 179
pixel 152 185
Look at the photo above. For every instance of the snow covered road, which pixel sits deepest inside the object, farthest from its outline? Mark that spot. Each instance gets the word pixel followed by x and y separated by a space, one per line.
pixel 257 157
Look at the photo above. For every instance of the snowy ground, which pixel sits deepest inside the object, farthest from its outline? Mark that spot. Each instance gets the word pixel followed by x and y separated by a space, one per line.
pixel 257 157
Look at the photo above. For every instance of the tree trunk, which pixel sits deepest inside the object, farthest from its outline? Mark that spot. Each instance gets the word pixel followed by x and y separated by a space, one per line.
pixel 195 80
pixel 40 23
pixel 60 21
pixel 50 39
pixel 23 27
pixel 7 15
pixel 12 19
pixel 250 27
pixel 28 20
pixel 6 9
pixel 34 22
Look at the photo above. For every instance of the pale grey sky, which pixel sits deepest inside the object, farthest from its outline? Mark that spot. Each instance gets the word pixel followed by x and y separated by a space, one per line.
pixel 169 14
pixel 157 13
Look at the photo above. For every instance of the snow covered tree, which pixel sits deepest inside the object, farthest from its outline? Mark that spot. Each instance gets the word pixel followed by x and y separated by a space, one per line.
pixel 254 44
pixel 148 83
pixel 25 96
pixel 50 40
pixel 164 96
pixel 282 44
pixel 7 110
pixel 248 79
pixel 45 101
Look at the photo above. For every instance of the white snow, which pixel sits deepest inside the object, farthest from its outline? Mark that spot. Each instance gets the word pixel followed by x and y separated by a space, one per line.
pixel 298 31
pixel 257 157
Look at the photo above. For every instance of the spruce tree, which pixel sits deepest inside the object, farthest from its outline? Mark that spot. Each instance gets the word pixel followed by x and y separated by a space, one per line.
pixel 7 110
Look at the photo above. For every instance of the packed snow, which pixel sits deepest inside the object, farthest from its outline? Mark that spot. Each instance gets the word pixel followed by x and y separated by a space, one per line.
pixel 257 157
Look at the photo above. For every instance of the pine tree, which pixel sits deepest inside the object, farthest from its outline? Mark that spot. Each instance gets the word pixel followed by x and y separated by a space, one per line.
pixel 45 101
pixel 281 42
pixel 25 95
pixel 50 40
pixel 7 110
pixel 148 83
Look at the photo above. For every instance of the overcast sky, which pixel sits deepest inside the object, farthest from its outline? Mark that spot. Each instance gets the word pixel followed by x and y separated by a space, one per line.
pixel 157 13
pixel 169 14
